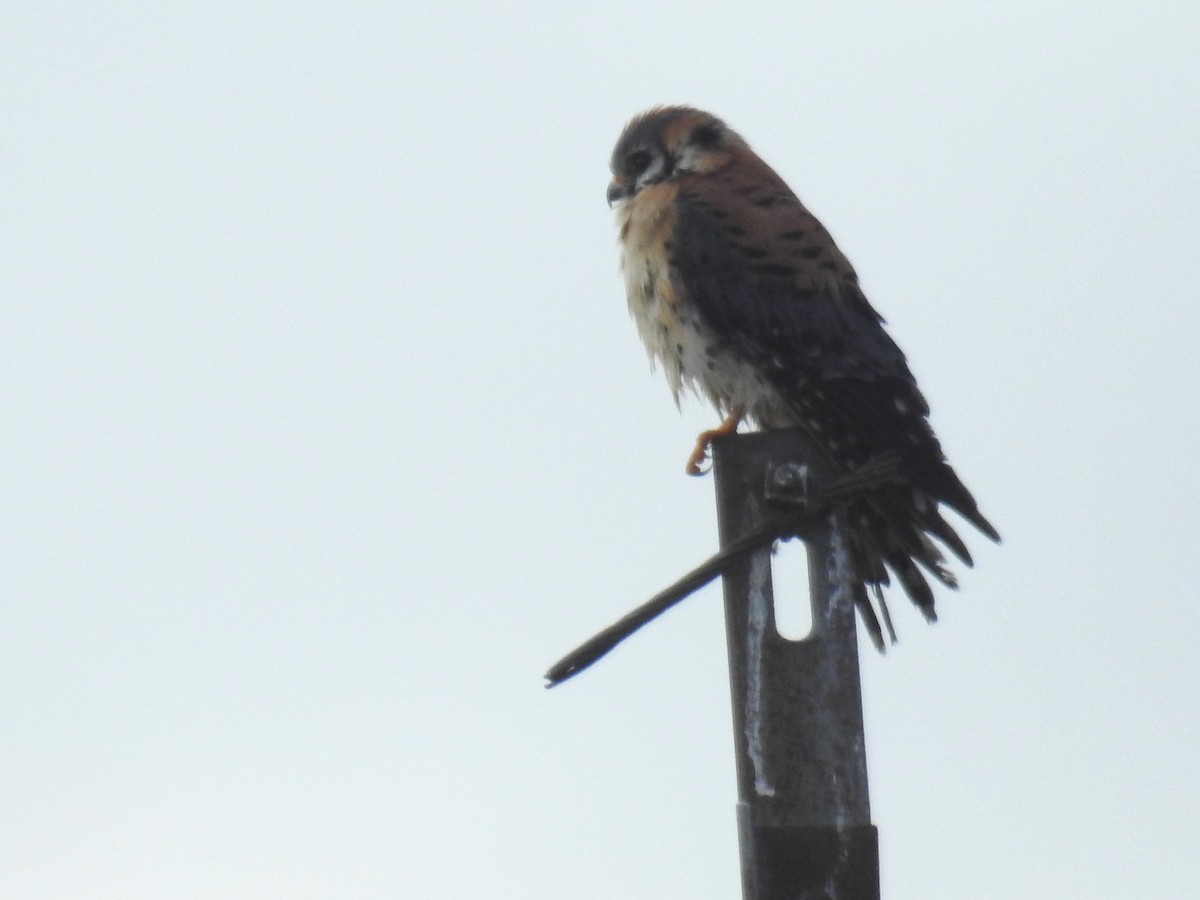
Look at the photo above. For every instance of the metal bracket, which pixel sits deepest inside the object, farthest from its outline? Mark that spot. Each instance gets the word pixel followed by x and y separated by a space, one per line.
pixel 787 483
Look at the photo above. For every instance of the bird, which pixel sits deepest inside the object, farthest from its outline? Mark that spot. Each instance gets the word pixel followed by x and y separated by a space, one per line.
pixel 742 297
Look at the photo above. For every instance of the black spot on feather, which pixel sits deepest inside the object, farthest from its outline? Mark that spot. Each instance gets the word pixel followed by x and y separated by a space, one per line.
pixel 772 269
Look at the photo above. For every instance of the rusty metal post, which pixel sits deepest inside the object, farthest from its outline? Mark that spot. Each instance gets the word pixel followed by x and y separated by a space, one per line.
pixel 804 822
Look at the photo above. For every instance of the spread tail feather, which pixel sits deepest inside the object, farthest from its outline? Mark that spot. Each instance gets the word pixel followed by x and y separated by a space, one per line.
pixel 891 534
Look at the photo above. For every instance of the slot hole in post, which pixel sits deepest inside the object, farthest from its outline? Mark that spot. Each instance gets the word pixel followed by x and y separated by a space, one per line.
pixel 790 586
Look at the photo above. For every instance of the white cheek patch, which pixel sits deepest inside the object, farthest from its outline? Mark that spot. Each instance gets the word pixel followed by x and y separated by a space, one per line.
pixel 689 160
pixel 698 159
pixel 652 173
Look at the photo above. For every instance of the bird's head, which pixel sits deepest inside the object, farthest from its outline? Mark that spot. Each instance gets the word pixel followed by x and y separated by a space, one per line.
pixel 665 143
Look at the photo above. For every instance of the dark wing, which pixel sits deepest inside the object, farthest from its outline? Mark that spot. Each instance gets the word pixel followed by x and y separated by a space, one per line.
pixel 767 276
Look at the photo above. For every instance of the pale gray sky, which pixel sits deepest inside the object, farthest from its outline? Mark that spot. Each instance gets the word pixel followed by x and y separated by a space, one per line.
pixel 327 431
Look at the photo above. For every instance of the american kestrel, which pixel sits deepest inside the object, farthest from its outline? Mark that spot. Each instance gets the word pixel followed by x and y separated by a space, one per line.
pixel 742 296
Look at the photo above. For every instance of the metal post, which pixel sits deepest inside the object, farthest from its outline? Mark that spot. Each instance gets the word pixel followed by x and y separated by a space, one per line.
pixel 804 822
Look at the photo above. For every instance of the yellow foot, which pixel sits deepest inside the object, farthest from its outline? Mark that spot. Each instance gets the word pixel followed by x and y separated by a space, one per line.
pixel 700 453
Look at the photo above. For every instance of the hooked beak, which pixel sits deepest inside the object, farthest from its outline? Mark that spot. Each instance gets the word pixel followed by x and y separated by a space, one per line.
pixel 617 191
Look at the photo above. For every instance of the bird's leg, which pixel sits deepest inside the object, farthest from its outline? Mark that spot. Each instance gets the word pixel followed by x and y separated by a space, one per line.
pixel 700 453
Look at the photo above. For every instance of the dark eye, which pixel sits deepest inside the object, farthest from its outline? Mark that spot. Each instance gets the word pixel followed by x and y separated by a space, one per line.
pixel 637 161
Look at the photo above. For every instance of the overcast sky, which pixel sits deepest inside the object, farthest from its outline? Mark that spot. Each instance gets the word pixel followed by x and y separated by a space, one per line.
pixel 326 431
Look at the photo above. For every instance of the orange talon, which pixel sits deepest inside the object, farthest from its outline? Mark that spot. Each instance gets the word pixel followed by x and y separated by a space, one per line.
pixel 700 453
